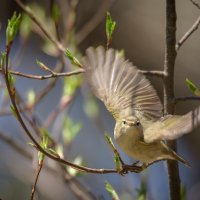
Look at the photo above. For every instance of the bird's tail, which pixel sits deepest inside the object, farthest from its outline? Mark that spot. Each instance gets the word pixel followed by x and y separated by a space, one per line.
pixel 179 158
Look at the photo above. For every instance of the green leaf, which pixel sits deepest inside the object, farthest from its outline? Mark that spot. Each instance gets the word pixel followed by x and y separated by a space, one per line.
pixel 108 138
pixel 41 156
pixel 70 130
pixel 192 87
pixel 11 79
pixel 141 192
pixel 31 144
pixel 72 58
pixel 12 108
pixel 59 150
pixel 53 152
pixel 45 138
pixel 73 172
pixel 12 28
pixel 111 191
pixel 43 66
pixel 117 162
pixel 3 59
pixel 110 26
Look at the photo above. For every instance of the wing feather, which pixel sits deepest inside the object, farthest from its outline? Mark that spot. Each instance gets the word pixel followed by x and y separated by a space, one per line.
pixel 172 127
pixel 119 84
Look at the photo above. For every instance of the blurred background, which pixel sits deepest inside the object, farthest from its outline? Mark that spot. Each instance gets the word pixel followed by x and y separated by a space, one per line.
pixel 140 32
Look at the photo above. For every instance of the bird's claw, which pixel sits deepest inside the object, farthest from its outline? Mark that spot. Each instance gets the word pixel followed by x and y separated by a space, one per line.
pixel 130 168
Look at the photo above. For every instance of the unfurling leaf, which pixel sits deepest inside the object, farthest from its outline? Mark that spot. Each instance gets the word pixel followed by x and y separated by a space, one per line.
pixel 111 191
pixel 12 28
pixel 110 27
pixel 72 58
pixel 193 87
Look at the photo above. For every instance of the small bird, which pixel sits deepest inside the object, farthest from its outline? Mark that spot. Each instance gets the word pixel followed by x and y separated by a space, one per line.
pixel 140 128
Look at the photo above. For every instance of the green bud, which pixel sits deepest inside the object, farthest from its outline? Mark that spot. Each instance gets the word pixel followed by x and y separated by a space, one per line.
pixel 111 191
pixel 72 58
pixel 193 87
pixel 3 60
pixel 12 28
pixel 110 26
pixel 117 162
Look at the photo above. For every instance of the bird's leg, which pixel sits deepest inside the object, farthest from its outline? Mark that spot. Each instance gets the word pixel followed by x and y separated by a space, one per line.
pixel 133 168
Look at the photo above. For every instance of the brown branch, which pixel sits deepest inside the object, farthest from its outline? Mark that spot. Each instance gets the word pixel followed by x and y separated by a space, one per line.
pixel 94 21
pixel 40 165
pixel 29 134
pixel 195 3
pixel 169 63
pixel 193 28
pixel 34 18
pixel 76 187
pixel 159 74
pixel 186 98
pixel 53 75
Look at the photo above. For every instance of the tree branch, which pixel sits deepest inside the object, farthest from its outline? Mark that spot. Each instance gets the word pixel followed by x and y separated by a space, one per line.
pixel 40 165
pixel 195 3
pixel 76 187
pixel 52 75
pixel 27 10
pixel 159 74
pixel 193 28
pixel 169 63
pixel 186 98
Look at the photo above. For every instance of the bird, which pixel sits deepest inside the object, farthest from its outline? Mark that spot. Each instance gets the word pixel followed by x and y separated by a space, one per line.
pixel 141 129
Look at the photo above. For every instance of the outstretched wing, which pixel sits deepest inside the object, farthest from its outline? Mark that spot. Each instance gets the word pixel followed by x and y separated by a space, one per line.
pixel 119 84
pixel 172 126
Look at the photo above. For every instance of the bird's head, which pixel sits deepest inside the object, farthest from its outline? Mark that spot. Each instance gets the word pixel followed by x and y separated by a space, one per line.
pixel 128 128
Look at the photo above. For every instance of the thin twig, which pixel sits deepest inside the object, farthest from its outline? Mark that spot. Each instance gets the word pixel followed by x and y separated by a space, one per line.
pixel 195 3
pixel 37 145
pixel 193 28
pixel 34 18
pixel 53 75
pixel 94 20
pixel 186 98
pixel 76 187
pixel 159 74
pixel 40 165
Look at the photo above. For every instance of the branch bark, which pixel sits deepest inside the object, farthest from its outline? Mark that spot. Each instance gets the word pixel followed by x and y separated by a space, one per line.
pixel 169 63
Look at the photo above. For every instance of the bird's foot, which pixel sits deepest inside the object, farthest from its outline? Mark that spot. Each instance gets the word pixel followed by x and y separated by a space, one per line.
pixel 132 168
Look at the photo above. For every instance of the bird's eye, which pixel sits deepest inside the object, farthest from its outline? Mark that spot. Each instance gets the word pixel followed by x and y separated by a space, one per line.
pixel 137 123
pixel 124 122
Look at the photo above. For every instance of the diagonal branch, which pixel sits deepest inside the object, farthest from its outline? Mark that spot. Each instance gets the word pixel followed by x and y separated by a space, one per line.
pixel 193 28
pixel 195 3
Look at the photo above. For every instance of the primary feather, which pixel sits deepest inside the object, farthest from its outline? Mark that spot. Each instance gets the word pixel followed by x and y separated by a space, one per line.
pixel 119 84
